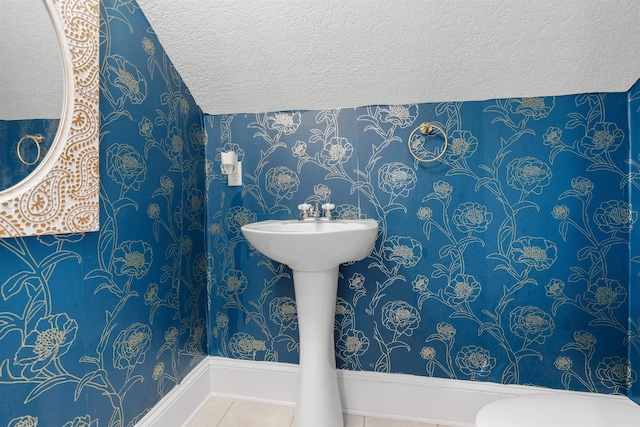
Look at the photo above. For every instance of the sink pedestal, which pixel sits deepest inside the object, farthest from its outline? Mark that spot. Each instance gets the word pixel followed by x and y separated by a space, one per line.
pixel 318 394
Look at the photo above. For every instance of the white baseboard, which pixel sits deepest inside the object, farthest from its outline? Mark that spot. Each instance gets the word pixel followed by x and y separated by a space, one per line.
pixel 184 400
pixel 374 394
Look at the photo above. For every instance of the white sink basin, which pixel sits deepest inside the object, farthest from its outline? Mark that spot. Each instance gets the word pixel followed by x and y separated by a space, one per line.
pixel 313 245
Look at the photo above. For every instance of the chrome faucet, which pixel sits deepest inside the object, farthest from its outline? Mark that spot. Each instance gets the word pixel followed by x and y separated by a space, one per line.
pixel 316 213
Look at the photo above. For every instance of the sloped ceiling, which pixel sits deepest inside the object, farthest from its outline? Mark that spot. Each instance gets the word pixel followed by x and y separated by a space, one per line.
pixel 269 55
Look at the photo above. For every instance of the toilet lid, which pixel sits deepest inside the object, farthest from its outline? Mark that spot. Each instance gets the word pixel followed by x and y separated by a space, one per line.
pixel 553 410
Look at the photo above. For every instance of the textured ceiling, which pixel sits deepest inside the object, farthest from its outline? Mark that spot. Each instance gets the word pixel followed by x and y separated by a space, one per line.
pixel 267 55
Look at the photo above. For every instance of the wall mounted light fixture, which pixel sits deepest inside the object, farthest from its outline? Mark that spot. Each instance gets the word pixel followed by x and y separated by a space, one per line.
pixel 231 167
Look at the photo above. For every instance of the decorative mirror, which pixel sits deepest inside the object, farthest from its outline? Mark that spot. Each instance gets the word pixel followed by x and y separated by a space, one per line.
pixel 59 193
pixel 27 124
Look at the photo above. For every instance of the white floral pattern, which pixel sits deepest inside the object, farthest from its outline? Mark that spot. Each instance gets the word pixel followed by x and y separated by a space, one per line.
pixel 469 277
pixel 509 260
pixel 95 328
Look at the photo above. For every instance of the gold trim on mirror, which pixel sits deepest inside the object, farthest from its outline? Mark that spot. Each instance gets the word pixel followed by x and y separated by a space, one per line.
pixel 61 194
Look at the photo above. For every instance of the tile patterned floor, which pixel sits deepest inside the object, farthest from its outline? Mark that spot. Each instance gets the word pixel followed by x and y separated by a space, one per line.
pixel 221 412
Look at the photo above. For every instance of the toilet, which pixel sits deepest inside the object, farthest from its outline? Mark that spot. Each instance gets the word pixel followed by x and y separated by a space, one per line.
pixel 559 410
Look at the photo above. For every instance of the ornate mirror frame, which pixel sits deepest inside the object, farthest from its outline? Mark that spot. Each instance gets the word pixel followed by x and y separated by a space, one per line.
pixel 61 195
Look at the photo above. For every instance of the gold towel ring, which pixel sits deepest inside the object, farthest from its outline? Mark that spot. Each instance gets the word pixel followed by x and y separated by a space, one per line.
pixel 38 140
pixel 427 128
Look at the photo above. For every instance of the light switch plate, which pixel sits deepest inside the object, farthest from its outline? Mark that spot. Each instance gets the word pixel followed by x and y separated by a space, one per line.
pixel 235 179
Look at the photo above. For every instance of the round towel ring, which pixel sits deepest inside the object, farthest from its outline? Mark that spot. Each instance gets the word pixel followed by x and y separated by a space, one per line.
pixel 427 128
pixel 38 140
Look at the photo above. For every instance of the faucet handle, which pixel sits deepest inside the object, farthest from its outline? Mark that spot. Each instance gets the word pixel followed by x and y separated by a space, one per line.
pixel 327 208
pixel 304 210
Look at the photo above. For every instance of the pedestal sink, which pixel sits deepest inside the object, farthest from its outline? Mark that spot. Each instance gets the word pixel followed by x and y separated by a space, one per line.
pixel 314 249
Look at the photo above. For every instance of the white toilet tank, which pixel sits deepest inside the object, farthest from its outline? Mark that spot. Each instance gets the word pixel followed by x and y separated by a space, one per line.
pixel 559 410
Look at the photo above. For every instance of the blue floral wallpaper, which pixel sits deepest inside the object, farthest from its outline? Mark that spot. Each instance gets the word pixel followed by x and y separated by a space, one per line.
pixel 510 259
pixel 21 153
pixel 634 270
pixel 505 260
pixel 96 328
